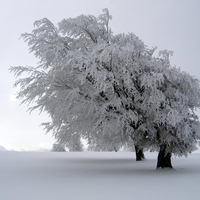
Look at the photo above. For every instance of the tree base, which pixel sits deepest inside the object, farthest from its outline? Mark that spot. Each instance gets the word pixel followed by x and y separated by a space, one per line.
pixel 139 154
pixel 164 159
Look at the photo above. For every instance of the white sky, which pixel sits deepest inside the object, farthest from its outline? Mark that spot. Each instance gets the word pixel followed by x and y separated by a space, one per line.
pixel 171 24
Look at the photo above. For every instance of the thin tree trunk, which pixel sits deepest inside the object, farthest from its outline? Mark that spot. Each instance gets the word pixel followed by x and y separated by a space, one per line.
pixel 164 159
pixel 115 149
pixel 139 153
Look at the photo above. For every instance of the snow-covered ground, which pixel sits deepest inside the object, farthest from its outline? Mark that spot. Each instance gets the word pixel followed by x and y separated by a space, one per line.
pixel 96 176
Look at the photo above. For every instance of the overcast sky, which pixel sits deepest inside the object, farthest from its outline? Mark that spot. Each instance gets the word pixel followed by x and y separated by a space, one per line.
pixel 167 24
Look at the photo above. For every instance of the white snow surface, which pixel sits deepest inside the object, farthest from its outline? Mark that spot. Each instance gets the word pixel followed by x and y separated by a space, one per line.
pixel 96 176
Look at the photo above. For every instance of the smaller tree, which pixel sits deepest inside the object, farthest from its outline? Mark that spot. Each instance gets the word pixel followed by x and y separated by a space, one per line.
pixel 58 148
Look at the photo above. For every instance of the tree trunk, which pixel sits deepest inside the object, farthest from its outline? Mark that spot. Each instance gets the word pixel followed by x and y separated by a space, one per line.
pixel 139 153
pixel 164 159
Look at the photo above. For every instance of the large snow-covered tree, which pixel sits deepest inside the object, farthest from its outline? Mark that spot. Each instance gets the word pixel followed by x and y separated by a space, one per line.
pixel 108 89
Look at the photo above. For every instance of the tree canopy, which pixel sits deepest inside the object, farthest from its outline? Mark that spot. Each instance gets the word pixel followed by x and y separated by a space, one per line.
pixel 108 88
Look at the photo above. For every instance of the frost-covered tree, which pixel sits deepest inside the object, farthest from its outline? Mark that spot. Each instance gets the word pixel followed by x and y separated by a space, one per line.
pixel 108 89
pixel 58 148
pixel 169 121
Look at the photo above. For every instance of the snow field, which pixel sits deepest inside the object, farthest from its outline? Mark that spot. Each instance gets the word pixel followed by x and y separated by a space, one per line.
pixel 96 176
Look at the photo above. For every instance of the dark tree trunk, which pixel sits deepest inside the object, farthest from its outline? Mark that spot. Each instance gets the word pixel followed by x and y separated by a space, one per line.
pixel 164 159
pixel 139 153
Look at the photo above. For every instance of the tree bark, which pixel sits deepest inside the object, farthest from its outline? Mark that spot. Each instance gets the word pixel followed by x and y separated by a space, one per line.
pixel 139 153
pixel 164 159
